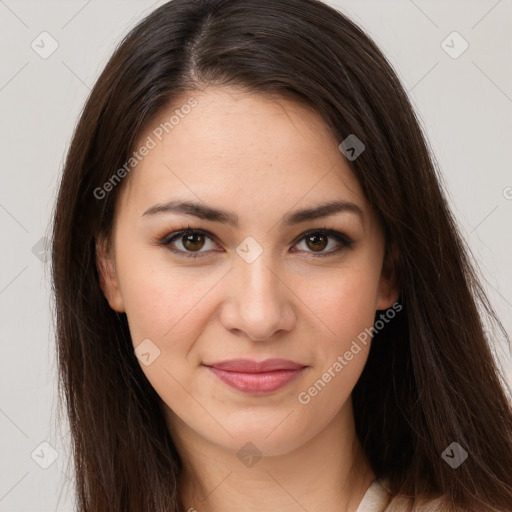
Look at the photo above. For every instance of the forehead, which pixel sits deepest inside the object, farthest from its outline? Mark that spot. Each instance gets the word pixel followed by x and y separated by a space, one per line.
pixel 254 152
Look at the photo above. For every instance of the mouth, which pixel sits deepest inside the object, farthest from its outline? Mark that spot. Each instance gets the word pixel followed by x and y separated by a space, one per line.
pixel 257 378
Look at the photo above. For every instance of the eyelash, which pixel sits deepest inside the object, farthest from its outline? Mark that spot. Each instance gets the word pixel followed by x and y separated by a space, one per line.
pixel 344 241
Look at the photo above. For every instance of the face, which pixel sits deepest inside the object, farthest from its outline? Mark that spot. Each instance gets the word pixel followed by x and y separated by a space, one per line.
pixel 257 281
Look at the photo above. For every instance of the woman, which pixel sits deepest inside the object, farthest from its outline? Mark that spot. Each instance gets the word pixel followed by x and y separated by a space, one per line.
pixel 262 298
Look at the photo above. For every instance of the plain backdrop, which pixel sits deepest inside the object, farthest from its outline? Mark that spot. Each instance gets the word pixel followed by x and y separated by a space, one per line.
pixel 464 104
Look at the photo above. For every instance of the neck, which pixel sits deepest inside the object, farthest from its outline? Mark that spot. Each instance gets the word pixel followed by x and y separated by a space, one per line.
pixel 328 472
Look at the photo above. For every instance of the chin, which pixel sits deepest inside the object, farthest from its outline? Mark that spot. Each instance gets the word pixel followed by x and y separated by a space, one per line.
pixel 269 436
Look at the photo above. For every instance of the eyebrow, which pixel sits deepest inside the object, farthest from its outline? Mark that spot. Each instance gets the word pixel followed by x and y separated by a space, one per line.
pixel 203 211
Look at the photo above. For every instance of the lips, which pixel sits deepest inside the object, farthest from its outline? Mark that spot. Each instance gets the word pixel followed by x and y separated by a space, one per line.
pixel 247 365
pixel 256 377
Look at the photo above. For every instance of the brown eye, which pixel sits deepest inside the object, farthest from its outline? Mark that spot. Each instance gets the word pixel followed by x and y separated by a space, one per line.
pixel 193 241
pixel 317 241
pixel 189 243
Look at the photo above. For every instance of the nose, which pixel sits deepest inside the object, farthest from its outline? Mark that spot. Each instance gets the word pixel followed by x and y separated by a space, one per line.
pixel 259 303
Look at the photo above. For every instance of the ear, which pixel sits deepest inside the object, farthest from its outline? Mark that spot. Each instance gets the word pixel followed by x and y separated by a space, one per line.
pixel 109 282
pixel 389 289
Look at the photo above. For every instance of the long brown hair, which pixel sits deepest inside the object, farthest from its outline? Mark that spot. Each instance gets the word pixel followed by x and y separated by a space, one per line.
pixel 430 379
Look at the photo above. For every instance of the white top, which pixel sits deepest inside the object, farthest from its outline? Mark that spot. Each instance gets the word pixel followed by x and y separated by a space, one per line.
pixel 376 499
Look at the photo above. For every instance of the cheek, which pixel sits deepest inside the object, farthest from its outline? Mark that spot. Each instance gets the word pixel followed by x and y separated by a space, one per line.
pixel 170 308
pixel 345 306
pixel 163 303
pixel 343 301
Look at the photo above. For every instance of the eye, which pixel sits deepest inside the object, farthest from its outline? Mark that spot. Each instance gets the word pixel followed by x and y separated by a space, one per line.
pixel 318 239
pixel 189 242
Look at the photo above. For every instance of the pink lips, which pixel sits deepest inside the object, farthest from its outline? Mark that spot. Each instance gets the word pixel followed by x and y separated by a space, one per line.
pixel 256 377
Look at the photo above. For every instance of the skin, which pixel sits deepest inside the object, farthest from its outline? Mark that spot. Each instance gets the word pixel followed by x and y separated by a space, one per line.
pixel 260 158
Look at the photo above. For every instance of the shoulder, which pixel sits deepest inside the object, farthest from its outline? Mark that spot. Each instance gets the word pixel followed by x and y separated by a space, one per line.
pixel 377 498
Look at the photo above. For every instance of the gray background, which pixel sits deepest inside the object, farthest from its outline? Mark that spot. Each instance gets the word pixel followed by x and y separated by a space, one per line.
pixel 465 108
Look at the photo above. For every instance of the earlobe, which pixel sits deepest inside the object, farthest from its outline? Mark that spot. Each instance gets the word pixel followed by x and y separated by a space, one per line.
pixel 109 282
pixel 389 289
